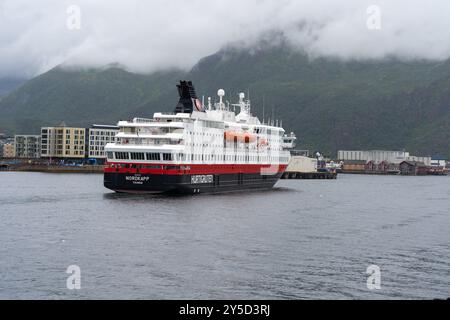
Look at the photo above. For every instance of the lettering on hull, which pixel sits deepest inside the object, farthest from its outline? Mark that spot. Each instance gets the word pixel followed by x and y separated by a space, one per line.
pixel 137 179
pixel 202 179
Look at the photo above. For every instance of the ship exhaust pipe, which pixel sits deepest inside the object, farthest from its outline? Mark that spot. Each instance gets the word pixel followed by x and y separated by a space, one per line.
pixel 189 101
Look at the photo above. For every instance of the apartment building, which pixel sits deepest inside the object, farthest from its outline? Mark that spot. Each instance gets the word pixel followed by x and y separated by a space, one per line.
pixel 27 146
pixel 8 150
pixel 63 142
pixel 99 136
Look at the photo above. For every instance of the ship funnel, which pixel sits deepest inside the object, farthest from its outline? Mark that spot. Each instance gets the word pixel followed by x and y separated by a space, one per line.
pixel 188 98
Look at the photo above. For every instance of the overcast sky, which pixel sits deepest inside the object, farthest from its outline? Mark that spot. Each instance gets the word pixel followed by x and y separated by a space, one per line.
pixel 156 34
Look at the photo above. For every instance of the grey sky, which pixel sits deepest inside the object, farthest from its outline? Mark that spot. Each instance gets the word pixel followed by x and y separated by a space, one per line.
pixel 157 34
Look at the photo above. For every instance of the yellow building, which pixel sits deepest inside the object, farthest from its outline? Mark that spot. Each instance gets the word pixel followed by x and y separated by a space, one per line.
pixel 63 142
pixel 8 150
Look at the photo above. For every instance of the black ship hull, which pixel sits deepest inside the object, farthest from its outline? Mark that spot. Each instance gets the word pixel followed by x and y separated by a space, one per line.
pixel 188 184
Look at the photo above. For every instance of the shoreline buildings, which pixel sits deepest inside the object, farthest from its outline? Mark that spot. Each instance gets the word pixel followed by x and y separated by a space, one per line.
pixel 8 150
pixel 378 156
pixel 384 162
pixel 76 143
pixel 99 137
pixel 63 142
pixel 27 146
pixel 9 143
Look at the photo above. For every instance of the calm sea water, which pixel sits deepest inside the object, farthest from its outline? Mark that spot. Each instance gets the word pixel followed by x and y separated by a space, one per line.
pixel 305 239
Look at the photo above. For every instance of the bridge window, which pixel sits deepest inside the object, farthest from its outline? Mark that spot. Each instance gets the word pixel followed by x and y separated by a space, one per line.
pixel 153 156
pixel 137 156
pixel 122 156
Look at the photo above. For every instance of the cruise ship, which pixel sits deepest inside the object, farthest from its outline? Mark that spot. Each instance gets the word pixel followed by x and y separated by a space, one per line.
pixel 199 148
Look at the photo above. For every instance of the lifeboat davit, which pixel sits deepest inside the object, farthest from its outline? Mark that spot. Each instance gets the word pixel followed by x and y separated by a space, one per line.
pixel 234 136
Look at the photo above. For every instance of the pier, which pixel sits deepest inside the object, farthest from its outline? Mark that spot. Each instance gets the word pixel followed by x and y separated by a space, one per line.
pixel 309 175
pixel 56 169
pixel 303 167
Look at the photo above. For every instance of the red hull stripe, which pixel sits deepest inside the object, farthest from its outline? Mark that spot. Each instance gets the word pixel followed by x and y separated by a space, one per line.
pixel 195 168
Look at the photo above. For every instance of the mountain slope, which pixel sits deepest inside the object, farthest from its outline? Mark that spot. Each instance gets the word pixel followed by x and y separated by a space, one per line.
pixel 81 97
pixel 8 84
pixel 338 105
pixel 330 104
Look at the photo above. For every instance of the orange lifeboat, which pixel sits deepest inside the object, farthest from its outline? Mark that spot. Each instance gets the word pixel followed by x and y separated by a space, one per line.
pixel 230 136
pixel 249 138
pixel 234 136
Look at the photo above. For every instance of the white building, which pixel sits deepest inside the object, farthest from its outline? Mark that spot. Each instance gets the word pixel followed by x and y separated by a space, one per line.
pixel 99 136
pixel 378 156
pixel 302 164
pixel 27 146
pixel 439 162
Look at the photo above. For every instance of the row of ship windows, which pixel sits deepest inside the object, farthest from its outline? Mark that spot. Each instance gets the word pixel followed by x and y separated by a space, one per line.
pixel 187 157
pixel 139 156
pixel 220 135
pixel 98 143
pixel 212 124
pixel 206 134
pixel 220 125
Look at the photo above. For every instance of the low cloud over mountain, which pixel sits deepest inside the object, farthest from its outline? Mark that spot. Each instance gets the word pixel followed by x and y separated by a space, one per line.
pixel 145 36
